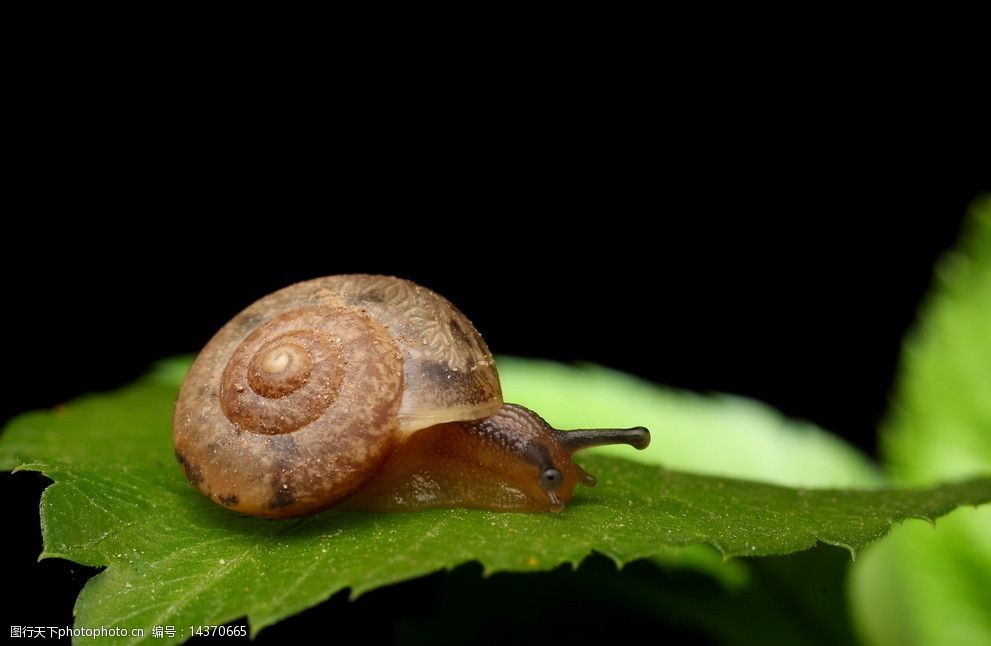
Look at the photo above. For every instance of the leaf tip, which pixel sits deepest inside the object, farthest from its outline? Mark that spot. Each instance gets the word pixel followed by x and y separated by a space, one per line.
pixel 357 591
pixel 852 549
pixel 726 556
pixel 254 627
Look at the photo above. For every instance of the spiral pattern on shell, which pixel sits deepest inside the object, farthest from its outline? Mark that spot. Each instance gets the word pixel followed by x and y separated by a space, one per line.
pixel 285 374
pixel 297 401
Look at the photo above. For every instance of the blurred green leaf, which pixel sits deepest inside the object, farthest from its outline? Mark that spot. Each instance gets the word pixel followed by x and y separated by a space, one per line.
pixel 713 434
pixel 920 586
pixel 940 423
pixel 175 558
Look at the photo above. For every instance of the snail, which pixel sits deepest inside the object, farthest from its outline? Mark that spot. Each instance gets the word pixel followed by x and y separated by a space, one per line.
pixel 368 393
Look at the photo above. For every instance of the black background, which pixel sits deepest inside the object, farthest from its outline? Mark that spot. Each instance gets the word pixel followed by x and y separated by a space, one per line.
pixel 785 272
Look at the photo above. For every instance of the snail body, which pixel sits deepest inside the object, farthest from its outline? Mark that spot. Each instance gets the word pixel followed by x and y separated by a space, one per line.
pixel 371 392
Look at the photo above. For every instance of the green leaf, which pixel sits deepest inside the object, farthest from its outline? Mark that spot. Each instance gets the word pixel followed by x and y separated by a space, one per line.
pixel 923 587
pixel 175 558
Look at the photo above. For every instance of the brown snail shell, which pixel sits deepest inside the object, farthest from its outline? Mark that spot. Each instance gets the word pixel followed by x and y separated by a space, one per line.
pixel 299 401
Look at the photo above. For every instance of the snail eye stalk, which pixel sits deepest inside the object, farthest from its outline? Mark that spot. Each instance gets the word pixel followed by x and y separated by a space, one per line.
pixel 638 437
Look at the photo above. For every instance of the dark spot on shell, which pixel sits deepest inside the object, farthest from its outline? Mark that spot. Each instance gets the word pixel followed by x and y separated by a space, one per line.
pixel 284 448
pixel 436 371
pixel 229 501
pixel 283 497
pixel 193 472
pixel 463 385
pixel 459 333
